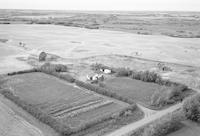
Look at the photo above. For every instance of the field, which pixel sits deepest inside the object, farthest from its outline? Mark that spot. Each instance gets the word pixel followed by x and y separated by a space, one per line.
pixel 8 61
pixel 13 125
pixel 67 103
pixel 174 24
pixel 133 89
pixel 76 43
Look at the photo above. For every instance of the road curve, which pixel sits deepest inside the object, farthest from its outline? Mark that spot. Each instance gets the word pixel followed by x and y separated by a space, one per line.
pixel 124 131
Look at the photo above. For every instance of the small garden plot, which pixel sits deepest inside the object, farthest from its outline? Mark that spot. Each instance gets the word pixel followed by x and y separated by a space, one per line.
pixel 133 89
pixel 60 100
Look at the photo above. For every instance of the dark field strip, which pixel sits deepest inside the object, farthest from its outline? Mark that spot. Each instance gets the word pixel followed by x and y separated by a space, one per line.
pixel 53 107
pixel 85 109
pixel 74 108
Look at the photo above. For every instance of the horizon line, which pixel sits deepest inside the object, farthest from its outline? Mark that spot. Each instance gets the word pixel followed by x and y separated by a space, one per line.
pixel 88 10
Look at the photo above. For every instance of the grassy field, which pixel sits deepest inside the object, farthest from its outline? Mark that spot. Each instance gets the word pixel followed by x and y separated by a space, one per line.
pixel 11 123
pixel 8 61
pixel 133 89
pixel 45 129
pixel 174 24
pixel 60 100
pixel 72 42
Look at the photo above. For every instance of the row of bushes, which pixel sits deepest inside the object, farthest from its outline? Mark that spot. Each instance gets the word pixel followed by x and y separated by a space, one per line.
pixel 146 76
pixel 23 72
pixel 46 68
pixel 49 68
pixel 191 108
pixel 103 91
pixel 169 95
pixel 65 77
pixel 43 117
pixel 161 127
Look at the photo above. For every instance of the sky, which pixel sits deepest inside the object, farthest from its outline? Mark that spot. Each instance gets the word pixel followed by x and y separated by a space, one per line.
pixel 127 5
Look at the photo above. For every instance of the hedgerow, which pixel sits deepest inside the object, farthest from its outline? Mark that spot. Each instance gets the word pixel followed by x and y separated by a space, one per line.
pixel 123 72
pixel 191 108
pixel 146 76
pixel 49 68
pixel 23 72
pixel 65 77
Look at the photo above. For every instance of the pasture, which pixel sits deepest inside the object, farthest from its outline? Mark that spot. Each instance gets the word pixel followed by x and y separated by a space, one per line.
pixel 73 42
pixel 66 103
pixel 11 123
pixel 8 61
pixel 133 89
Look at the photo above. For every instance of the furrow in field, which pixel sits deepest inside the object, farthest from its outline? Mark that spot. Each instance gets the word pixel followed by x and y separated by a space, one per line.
pixel 66 104
pixel 77 108
pixel 86 109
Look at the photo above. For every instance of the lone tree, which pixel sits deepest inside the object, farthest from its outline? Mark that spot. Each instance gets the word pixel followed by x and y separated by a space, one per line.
pixel 191 108
pixel 42 56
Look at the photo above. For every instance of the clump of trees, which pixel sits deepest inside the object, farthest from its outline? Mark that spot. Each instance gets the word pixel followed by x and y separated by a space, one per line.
pixel 191 108
pixel 123 72
pixel 98 66
pixel 168 95
pixel 3 40
pixel 49 68
pixel 42 56
pixel 146 76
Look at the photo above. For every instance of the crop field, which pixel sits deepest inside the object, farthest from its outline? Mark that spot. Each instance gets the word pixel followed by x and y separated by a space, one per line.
pixel 133 89
pixel 60 100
